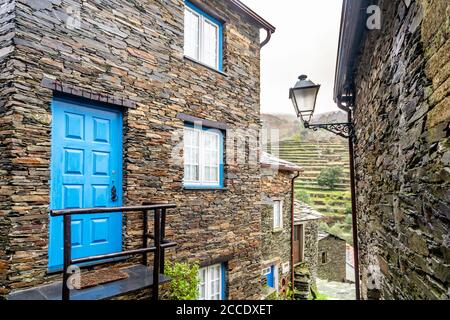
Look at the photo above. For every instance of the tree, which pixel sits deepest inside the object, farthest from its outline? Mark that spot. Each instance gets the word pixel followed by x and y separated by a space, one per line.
pixel 329 177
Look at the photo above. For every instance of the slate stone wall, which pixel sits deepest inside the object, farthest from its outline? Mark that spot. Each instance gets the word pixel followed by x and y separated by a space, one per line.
pixel 7 28
pixel 334 267
pixel 132 50
pixel 402 122
pixel 276 244
pixel 312 248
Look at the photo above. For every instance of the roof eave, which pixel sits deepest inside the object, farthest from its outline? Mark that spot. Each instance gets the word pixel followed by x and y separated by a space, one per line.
pixel 282 167
pixel 352 31
pixel 253 15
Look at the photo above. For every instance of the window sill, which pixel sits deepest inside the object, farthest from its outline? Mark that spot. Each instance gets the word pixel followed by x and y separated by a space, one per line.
pixel 204 189
pixel 277 230
pixel 205 65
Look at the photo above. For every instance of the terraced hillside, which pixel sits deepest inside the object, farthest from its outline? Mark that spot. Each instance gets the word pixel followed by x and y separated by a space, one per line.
pixel 314 157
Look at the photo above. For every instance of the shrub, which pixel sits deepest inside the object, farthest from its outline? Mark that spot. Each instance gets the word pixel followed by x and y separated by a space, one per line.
pixel 184 281
pixel 288 295
pixel 329 177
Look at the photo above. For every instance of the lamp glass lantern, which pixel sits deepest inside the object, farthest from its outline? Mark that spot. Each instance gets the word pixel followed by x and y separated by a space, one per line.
pixel 304 98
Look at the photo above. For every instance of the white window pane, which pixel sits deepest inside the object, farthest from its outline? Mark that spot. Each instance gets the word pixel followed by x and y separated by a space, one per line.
pixel 214 288
pixel 277 214
pixel 202 292
pixel 191 34
pixel 215 175
pixel 210 44
pixel 202 285
pixel 211 157
pixel 191 155
pixel 207 174
pixel 187 173
pixel 195 173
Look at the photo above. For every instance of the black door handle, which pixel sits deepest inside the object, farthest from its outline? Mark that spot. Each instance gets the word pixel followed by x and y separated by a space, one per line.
pixel 113 194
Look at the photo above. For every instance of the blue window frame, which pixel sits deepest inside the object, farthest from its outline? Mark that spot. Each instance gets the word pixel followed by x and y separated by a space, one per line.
pixel 203 157
pixel 203 37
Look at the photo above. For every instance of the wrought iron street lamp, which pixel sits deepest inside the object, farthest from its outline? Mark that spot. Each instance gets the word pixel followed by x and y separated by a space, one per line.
pixel 304 98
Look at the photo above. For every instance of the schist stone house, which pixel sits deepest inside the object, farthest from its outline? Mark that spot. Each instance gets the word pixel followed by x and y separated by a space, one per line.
pixel 122 103
pixel 395 79
pixel 277 190
pixel 306 238
pixel 331 259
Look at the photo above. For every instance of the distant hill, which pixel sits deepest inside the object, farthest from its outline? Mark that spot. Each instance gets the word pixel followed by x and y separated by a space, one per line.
pixel 290 127
pixel 330 117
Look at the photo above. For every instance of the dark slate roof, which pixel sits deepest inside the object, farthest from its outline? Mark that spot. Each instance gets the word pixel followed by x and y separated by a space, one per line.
pixel 323 235
pixel 270 161
pixel 253 15
pixel 353 30
pixel 304 213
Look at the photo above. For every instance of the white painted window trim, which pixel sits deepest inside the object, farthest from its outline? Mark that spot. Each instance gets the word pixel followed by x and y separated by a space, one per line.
pixel 266 271
pixel 201 40
pixel 208 281
pixel 276 278
pixel 278 227
pixel 202 164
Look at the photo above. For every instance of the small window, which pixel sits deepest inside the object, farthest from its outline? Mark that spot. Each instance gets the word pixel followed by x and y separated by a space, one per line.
pixel 277 214
pixel 266 271
pixel 324 258
pixel 202 37
pixel 203 158
pixel 211 286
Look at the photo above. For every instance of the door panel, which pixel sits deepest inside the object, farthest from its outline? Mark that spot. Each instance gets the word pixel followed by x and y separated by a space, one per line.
pixel 86 164
pixel 298 244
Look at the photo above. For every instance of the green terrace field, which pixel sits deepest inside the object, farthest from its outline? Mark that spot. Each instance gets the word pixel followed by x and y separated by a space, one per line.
pixel 335 204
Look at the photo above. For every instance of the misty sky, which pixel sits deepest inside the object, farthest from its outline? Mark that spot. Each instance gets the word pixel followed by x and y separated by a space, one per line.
pixel 305 42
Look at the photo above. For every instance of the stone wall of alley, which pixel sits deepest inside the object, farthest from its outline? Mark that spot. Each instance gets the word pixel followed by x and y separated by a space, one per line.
pixel 7 25
pixel 133 50
pixel 402 120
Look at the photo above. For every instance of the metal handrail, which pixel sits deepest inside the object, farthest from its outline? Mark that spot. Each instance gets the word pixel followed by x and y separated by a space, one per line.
pixel 160 243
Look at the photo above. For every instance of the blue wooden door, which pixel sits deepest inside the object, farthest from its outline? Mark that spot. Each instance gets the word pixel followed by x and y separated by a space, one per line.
pixel 271 277
pixel 86 164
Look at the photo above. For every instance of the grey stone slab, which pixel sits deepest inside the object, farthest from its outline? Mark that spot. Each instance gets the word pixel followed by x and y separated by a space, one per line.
pixel 140 277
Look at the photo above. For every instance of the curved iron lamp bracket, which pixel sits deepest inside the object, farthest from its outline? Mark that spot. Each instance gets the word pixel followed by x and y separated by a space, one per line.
pixel 345 130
